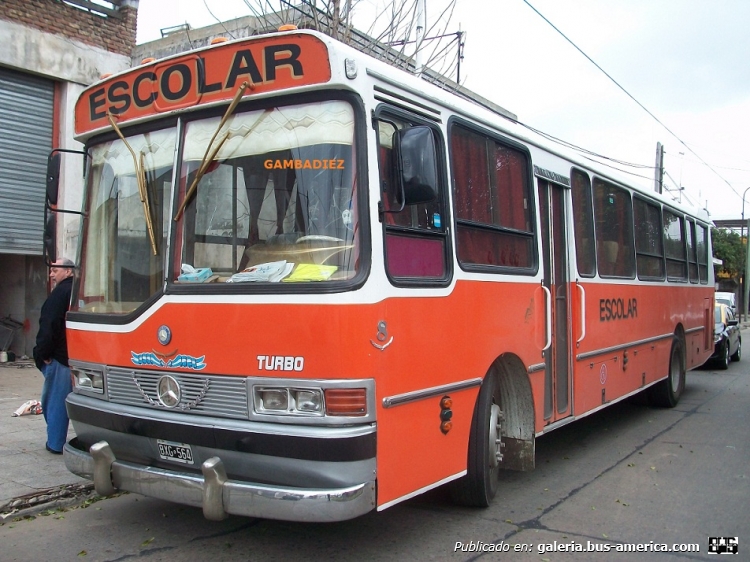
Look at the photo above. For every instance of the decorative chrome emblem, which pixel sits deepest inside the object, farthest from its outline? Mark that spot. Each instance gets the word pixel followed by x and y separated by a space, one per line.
pixel 382 336
pixel 164 335
pixel 169 391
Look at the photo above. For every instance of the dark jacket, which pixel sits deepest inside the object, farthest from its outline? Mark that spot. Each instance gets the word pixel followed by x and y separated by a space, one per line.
pixel 51 342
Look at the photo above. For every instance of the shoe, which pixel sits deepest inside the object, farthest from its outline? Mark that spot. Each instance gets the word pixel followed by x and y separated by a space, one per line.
pixel 52 450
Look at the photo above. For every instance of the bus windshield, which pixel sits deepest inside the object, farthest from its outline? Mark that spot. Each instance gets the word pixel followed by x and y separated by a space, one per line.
pixel 276 203
pixel 273 201
pixel 120 266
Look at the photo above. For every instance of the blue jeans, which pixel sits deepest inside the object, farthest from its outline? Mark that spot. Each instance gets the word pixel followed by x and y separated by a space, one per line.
pixel 57 386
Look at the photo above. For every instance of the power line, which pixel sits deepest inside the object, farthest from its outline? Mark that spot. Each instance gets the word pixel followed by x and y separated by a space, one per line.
pixel 654 117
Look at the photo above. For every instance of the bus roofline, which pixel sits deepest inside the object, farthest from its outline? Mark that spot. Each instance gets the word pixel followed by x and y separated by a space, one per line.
pixel 214 493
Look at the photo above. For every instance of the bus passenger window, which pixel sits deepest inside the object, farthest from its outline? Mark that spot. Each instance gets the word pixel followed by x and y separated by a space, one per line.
pixel 702 247
pixel 614 231
pixel 648 241
pixel 674 244
pixel 583 217
pixel 492 200
pixel 692 252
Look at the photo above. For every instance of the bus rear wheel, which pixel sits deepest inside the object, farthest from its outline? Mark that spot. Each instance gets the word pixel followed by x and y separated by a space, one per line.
pixel 480 484
pixel 667 393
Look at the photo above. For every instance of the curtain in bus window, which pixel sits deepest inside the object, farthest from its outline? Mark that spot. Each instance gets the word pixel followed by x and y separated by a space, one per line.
pixel 674 246
pixel 510 198
pixel 613 213
pixel 492 204
pixel 648 241
pixel 471 174
pixel 583 221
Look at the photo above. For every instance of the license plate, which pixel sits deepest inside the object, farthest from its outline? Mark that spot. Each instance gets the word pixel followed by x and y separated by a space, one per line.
pixel 177 452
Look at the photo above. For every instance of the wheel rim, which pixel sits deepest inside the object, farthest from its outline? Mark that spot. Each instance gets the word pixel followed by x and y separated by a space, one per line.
pixel 495 436
pixel 726 353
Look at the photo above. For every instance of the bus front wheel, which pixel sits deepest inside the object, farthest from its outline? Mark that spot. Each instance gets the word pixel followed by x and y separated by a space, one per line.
pixel 479 485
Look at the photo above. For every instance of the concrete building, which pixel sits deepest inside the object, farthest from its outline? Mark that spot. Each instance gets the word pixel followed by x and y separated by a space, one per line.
pixel 52 50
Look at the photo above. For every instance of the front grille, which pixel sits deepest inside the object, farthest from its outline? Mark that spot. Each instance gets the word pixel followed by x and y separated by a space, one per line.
pixel 209 395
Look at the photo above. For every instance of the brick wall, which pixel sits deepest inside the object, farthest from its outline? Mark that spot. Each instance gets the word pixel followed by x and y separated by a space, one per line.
pixel 114 34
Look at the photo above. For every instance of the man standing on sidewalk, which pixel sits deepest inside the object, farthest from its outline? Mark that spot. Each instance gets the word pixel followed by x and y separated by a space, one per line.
pixel 51 355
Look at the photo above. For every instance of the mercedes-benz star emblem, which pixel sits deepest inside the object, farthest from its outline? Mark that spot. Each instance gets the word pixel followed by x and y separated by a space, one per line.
pixel 169 391
pixel 164 335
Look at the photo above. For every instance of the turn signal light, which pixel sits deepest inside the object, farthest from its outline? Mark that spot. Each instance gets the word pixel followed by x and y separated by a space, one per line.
pixel 346 402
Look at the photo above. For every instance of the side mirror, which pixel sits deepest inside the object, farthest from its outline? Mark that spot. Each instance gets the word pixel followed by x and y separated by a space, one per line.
pixel 53 177
pixel 50 206
pixel 48 237
pixel 416 159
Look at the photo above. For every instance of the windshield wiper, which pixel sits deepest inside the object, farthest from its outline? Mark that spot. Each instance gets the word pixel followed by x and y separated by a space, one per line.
pixel 140 176
pixel 208 159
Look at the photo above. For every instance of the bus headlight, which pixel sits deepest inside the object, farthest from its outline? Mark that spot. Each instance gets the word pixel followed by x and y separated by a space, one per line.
pixel 273 399
pixel 309 401
pixel 88 379
pixel 288 400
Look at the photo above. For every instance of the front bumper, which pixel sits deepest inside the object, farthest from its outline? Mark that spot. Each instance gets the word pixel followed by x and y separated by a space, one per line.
pixel 215 493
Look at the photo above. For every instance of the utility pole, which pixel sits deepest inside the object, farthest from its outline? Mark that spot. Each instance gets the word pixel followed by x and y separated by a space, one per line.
pixel 659 168
pixel 421 28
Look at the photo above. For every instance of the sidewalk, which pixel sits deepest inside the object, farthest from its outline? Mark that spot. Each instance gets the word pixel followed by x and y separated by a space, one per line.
pixel 27 470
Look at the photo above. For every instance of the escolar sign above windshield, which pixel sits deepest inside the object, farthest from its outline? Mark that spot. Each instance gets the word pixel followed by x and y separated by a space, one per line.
pixel 210 75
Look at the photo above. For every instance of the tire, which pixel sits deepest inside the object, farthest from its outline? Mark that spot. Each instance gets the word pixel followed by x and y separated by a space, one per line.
pixel 738 354
pixel 480 484
pixel 666 393
pixel 722 363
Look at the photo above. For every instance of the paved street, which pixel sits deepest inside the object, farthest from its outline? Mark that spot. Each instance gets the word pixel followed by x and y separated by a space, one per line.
pixel 26 467
pixel 627 475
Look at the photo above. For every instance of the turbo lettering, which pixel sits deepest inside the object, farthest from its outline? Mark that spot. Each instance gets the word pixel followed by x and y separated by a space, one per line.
pixel 280 363
pixel 331 164
pixel 213 75
pixel 617 309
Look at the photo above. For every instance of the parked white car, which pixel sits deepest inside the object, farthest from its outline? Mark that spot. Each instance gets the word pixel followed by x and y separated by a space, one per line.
pixel 728 299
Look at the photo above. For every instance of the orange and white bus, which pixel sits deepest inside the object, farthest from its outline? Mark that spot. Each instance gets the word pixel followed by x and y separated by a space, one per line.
pixel 312 285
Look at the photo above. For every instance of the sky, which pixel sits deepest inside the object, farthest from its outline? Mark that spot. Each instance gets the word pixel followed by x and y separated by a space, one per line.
pixel 684 66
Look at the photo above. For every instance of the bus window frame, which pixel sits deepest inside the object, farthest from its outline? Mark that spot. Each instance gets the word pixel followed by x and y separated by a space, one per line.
pixel 703 279
pixel 533 234
pixel 363 207
pixel 165 122
pixel 660 228
pixel 386 113
pixel 692 248
pixel 574 219
pixel 629 193
pixel 681 221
